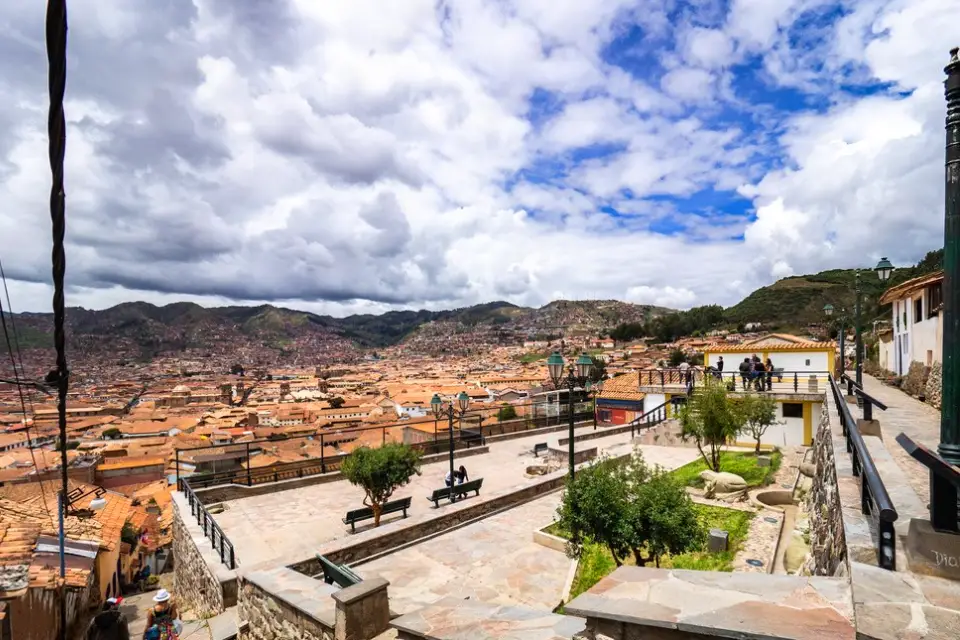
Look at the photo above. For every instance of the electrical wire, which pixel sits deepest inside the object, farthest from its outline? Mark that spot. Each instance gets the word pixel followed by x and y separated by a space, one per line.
pixel 20 385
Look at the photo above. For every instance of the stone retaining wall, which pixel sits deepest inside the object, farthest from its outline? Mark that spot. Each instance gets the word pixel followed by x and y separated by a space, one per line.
pixel 271 618
pixel 202 583
pixel 827 546
pixel 934 390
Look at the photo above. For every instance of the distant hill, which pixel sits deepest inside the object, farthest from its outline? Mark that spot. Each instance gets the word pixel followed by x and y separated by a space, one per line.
pixel 799 300
pixel 140 331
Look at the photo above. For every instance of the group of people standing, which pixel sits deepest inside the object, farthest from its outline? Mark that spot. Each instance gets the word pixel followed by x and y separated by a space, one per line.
pixel 757 373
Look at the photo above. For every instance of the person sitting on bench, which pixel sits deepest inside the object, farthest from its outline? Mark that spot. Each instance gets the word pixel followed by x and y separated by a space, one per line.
pixel 461 478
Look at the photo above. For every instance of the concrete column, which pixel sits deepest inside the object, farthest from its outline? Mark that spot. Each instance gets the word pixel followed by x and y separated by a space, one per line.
pixel 363 610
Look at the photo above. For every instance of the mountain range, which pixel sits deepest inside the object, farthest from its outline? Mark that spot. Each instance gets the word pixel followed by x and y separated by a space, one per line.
pixel 140 331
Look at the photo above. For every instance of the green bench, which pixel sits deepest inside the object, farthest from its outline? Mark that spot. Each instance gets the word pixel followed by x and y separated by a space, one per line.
pixel 366 513
pixel 339 573
pixel 441 494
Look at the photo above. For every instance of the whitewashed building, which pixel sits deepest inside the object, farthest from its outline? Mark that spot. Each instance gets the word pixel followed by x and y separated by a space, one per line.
pixel 917 330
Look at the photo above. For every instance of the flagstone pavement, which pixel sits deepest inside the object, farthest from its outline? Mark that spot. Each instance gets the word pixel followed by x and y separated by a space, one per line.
pixel 908 415
pixel 290 526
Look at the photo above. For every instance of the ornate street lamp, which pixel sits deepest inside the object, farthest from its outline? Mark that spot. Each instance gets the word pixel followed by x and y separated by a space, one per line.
pixel 884 268
pixel 451 410
pixel 577 375
pixel 949 447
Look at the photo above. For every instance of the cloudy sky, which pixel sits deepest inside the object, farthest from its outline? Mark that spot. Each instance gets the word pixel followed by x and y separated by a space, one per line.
pixel 366 155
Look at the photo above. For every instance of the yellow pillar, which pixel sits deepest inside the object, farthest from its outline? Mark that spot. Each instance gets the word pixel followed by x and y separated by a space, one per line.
pixel 832 361
pixel 666 398
pixel 808 423
pixel 706 359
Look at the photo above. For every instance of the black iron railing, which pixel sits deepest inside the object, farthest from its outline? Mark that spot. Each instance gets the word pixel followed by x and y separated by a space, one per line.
pixel 246 453
pixel 874 500
pixel 649 419
pixel 777 380
pixel 865 401
pixel 218 539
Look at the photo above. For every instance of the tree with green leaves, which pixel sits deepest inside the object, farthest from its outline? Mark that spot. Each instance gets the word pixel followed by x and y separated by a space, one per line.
pixel 112 433
pixel 380 472
pixel 335 403
pixel 663 519
pixel 599 371
pixel 712 419
pixel 506 412
pixel 677 357
pixel 629 508
pixel 594 508
pixel 759 413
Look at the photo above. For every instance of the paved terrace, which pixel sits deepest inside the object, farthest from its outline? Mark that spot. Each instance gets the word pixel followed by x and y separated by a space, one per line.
pixel 290 526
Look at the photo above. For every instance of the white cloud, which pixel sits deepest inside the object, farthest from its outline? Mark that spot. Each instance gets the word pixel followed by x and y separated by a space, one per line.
pixel 315 157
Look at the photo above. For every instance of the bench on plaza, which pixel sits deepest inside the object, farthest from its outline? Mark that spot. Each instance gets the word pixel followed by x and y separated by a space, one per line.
pixel 440 494
pixel 778 371
pixel 339 573
pixel 366 513
pixel 470 437
pixel 539 448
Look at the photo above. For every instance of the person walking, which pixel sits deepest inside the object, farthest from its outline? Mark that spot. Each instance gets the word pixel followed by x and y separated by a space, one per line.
pixel 110 623
pixel 162 618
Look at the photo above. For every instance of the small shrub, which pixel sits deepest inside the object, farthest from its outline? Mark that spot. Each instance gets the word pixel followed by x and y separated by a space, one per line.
pixel 915 382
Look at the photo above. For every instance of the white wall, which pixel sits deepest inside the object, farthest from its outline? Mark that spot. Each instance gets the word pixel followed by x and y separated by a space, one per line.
pixel 788 432
pixel 797 361
pixel 652 401
pixel 911 338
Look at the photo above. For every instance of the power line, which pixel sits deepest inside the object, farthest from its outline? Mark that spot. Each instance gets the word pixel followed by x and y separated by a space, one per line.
pixel 20 385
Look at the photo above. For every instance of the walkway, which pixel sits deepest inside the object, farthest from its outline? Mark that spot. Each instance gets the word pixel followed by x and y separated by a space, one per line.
pixel 291 525
pixel 494 561
pixel 908 415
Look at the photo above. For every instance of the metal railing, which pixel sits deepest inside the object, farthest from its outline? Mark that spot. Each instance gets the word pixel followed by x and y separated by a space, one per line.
pixel 874 500
pixel 470 434
pixel 218 539
pixel 865 401
pixel 649 419
pixel 774 381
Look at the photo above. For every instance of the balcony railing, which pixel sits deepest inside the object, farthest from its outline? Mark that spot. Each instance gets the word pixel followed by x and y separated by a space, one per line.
pixel 473 432
pixel 874 500
pixel 218 539
pixel 776 381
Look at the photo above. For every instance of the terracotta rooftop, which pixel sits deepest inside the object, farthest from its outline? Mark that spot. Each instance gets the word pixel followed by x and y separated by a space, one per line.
pixel 770 342
pixel 623 387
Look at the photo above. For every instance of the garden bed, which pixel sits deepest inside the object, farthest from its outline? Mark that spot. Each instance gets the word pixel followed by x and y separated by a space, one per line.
pixel 741 463
pixel 596 561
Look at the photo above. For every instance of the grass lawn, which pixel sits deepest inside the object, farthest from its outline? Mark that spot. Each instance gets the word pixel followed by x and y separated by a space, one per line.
pixel 596 561
pixel 741 463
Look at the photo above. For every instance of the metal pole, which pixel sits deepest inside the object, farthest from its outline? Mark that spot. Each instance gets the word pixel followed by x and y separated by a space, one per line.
pixel 570 385
pixel 61 507
pixel 949 447
pixel 453 498
pixel 843 353
pixel 859 334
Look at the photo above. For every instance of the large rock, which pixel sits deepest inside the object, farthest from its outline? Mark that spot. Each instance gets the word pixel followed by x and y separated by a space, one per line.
pixel 723 484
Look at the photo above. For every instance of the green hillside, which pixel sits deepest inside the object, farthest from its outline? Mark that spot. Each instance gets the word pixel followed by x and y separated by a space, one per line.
pixel 799 300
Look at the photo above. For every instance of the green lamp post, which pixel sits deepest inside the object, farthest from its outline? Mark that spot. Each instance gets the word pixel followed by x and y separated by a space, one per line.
pixel 577 376
pixel 438 408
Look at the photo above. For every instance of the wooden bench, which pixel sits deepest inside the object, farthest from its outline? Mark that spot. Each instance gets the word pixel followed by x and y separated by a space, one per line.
pixel 339 573
pixel 470 437
pixel 539 448
pixel 440 494
pixel 366 513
